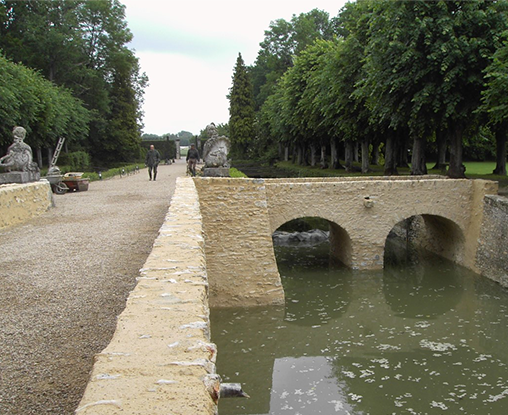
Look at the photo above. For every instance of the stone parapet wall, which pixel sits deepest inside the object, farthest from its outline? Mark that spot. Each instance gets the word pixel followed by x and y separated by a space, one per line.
pixel 492 255
pixel 367 209
pixel 22 202
pixel 161 353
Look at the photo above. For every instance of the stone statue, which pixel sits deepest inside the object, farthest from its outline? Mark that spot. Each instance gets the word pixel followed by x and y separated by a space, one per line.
pixel 211 130
pixel 19 160
pixel 216 149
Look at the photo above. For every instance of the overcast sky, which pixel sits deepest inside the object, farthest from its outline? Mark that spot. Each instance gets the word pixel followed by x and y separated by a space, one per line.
pixel 188 49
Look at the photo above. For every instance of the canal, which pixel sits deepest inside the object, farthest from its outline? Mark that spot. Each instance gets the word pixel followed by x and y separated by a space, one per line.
pixel 421 337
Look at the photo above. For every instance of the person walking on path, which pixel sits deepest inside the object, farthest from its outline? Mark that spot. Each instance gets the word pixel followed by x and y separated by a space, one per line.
pixel 152 160
pixel 192 159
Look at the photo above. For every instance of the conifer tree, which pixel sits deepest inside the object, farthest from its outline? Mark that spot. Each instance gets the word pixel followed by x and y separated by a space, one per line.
pixel 241 110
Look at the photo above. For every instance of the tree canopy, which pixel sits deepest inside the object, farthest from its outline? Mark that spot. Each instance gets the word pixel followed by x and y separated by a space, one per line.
pixel 47 111
pixel 390 73
pixel 241 110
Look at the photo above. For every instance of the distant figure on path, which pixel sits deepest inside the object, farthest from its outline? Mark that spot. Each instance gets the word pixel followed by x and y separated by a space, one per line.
pixel 152 161
pixel 192 159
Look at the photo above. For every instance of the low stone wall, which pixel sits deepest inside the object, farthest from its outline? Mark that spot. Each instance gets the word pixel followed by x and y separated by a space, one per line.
pixel 492 255
pixel 161 353
pixel 21 202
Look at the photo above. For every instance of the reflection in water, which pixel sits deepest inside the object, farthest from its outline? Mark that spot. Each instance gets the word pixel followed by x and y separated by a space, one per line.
pixel 433 293
pixel 419 340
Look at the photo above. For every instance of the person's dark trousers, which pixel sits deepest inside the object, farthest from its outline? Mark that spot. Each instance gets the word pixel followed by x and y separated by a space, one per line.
pixel 154 169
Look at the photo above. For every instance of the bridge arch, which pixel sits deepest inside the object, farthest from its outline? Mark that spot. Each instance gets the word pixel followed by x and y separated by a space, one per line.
pixel 432 233
pixel 340 241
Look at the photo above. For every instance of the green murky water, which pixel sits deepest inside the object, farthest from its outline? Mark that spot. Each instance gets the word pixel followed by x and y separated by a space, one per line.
pixel 426 339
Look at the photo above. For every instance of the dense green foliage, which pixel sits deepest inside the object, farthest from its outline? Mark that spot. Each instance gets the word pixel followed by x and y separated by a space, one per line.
pixel 76 161
pixel 241 110
pixel 80 46
pixel 185 137
pixel 47 111
pixel 404 77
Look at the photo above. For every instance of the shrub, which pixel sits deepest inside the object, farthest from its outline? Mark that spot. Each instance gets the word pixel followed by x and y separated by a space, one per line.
pixel 76 161
pixel 236 173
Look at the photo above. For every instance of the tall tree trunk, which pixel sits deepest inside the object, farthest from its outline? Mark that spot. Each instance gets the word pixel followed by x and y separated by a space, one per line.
pixel 441 151
pixel 365 155
pixel 286 153
pixel 313 155
pixel 355 151
pixel 456 169
pixel 501 134
pixel 39 157
pixel 334 161
pixel 324 164
pixel 348 162
pixel 375 153
pixel 50 155
pixel 418 166
pixel 391 156
pixel 301 155
pixel 402 157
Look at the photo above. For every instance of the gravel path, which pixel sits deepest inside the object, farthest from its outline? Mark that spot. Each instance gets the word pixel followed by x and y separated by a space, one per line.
pixel 64 277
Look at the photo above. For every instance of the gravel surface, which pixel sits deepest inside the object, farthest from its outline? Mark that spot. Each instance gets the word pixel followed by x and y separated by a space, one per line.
pixel 64 278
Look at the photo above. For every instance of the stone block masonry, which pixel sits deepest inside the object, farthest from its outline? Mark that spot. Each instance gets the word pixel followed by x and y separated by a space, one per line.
pixel 492 255
pixel 21 202
pixel 161 353
pixel 239 250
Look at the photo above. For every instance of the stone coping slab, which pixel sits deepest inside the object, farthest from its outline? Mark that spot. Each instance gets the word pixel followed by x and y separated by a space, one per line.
pixel 20 202
pixel 160 359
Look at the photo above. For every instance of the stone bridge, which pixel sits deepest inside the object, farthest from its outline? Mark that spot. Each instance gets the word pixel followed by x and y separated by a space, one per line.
pixel 215 248
pixel 240 215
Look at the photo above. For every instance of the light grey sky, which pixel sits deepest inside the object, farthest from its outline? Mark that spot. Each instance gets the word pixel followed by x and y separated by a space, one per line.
pixel 188 49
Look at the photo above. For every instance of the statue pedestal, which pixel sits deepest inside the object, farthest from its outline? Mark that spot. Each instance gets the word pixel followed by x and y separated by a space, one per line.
pixel 17 177
pixel 216 172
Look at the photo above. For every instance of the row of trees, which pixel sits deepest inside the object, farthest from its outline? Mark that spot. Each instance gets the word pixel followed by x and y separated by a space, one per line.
pixel 391 74
pixel 48 111
pixel 87 85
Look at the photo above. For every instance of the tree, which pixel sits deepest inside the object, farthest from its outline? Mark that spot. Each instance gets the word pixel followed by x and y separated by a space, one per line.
pixel 282 42
pixel 126 140
pixel 45 110
pixel 241 110
pixel 425 65
pixel 495 102
pixel 77 44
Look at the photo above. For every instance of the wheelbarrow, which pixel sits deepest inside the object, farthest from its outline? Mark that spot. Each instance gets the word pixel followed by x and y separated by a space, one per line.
pixel 75 182
pixel 55 179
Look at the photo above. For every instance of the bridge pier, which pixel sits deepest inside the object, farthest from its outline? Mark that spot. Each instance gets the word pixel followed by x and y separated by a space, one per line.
pixel 241 263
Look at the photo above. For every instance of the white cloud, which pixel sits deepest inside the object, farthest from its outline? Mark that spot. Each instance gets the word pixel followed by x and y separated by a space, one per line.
pixel 189 49
pixel 185 93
